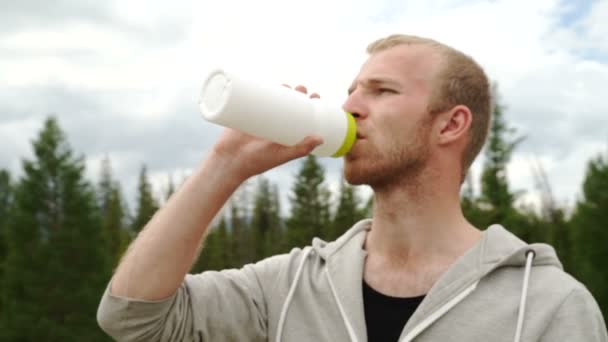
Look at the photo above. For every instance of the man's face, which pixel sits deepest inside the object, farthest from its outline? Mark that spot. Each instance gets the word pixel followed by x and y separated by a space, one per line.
pixel 390 98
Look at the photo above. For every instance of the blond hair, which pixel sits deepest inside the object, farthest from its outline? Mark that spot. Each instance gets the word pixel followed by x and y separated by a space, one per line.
pixel 459 81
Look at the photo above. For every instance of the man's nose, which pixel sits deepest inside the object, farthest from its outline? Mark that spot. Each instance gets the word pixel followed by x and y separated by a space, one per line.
pixel 355 105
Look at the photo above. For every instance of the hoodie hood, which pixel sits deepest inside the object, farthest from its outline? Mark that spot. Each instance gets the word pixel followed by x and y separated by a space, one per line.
pixel 496 249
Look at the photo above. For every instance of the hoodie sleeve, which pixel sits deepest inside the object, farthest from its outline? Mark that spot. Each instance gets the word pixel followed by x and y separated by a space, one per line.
pixel 212 306
pixel 577 319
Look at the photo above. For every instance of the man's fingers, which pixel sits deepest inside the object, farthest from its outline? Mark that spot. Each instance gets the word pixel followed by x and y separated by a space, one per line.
pixel 308 144
pixel 302 89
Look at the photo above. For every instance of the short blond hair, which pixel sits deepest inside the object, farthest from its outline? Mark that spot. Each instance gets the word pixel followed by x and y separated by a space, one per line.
pixel 459 81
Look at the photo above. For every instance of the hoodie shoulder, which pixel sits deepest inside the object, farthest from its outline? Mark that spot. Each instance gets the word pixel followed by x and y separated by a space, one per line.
pixel 500 247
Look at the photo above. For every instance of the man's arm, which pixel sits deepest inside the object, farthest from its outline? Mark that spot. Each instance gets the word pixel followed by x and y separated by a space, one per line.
pixel 158 260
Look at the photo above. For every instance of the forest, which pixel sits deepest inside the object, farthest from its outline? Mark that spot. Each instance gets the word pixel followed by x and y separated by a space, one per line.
pixel 62 235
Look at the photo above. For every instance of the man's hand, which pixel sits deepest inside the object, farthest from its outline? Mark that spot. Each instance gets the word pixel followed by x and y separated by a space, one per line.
pixel 251 155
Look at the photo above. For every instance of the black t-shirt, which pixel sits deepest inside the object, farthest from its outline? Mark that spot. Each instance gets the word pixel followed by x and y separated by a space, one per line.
pixel 385 316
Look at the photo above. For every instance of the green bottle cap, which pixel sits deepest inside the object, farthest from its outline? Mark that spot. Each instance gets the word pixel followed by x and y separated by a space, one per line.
pixel 349 139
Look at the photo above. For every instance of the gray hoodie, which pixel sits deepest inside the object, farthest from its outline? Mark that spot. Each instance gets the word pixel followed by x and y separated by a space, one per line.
pixel 497 291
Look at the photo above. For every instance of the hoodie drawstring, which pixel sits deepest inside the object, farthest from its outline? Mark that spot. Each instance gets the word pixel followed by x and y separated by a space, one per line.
pixel 530 254
pixel 292 290
pixel 349 327
pixel 438 313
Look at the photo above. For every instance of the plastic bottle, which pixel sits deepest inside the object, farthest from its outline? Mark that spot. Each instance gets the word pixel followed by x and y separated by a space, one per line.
pixel 276 113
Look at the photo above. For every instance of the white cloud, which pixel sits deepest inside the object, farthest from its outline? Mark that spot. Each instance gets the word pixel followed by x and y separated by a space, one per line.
pixel 133 81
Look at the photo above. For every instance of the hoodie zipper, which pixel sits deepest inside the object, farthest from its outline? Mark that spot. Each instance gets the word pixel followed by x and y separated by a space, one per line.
pixel 438 313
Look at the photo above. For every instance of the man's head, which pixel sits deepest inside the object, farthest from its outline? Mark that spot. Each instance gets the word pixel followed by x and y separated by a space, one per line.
pixel 418 94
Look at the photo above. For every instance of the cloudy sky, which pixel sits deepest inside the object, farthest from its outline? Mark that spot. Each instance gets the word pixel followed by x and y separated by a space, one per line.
pixel 123 77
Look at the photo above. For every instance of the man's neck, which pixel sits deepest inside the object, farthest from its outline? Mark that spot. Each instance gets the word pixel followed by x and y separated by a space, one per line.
pixel 417 233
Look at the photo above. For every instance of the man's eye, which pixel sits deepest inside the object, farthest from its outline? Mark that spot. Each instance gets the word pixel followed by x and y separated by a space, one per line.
pixel 386 90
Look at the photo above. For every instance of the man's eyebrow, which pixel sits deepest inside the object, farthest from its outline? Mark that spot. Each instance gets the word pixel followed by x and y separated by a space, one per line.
pixel 373 82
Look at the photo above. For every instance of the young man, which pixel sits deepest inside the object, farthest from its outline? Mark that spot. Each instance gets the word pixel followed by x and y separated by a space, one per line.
pixel 417 271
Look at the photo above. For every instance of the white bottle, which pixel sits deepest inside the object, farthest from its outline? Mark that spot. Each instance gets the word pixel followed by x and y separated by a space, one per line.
pixel 276 113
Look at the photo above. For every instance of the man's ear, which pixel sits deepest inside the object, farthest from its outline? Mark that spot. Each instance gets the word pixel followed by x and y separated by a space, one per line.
pixel 454 124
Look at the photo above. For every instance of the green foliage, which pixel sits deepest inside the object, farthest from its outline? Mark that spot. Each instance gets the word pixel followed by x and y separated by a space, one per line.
pixel 266 221
pixel 60 237
pixel 5 209
pixel 54 268
pixel 147 205
pixel 115 231
pixel 310 215
pixel 590 231
pixel 216 254
pixel 349 211
pixel 497 201
pixel 240 244
pixel 498 152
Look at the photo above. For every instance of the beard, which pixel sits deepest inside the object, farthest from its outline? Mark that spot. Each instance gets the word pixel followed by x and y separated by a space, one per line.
pixel 402 162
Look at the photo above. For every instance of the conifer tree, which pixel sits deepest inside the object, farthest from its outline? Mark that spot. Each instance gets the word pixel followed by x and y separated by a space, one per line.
pixel 349 211
pixel 470 204
pixel 497 200
pixel 113 215
pixel 147 205
pixel 279 244
pixel 5 210
pixel 310 209
pixel 494 183
pixel 54 268
pixel 590 233
pixel 266 221
pixel 215 254
pixel 5 203
pixel 241 245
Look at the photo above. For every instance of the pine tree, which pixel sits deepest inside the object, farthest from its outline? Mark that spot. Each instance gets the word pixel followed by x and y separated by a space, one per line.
pixel 279 244
pixel 5 210
pixel 215 254
pixel 266 221
pixel 348 211
pixel 494 184
pixel 223 255
pixel 497 200
pixel 560 235
pixel 54 269
pixel 310 216
pixel 147 205
pixel 470 204
pixel 590 231
pixel 5 203
pixel 241 246
pixel 113 212
pixel 552 224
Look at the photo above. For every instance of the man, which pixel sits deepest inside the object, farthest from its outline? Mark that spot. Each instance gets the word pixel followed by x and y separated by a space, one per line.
pixel 417 271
